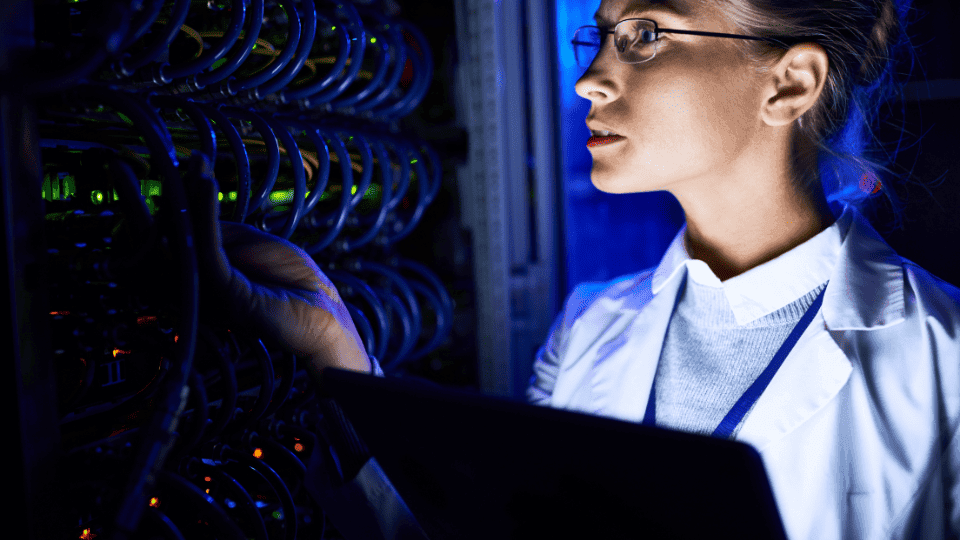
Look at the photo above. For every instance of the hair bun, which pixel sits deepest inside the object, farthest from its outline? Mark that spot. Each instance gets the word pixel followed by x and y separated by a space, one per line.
pixel 880 42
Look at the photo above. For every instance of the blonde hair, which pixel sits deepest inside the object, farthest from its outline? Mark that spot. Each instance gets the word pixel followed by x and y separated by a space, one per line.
pixel 864 40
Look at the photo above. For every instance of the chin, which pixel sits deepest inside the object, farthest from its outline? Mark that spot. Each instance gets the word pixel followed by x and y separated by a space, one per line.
pixel 607 187
pixel 619 182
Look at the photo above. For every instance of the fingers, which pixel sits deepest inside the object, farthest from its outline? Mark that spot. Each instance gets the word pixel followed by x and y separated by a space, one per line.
pixel 205 213
pixel 266 258
pixel 267 285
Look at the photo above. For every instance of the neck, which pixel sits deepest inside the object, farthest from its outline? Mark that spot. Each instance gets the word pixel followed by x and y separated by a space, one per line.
pixel 742 221
pixel 733 242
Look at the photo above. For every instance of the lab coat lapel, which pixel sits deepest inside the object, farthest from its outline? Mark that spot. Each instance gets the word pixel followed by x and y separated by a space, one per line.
pixel 621 384
pixel 865 292
pixel 587 351
pixel 812 375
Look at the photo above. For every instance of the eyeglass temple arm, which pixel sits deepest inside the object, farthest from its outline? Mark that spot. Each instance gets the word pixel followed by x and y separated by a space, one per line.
pixel 709 34
pixel 715 34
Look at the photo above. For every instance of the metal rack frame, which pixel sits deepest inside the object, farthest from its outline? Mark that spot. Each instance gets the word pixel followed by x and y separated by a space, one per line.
pixel 30 381
pixel 510 189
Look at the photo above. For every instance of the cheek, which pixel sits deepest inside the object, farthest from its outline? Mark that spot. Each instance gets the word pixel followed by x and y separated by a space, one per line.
pixel 682 126
pixel 679 129
pixel 696 120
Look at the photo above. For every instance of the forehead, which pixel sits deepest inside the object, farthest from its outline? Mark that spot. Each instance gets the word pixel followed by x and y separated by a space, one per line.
pixel 613 11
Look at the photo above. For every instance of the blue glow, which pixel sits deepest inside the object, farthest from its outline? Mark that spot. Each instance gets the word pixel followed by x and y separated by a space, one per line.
pixel 622 233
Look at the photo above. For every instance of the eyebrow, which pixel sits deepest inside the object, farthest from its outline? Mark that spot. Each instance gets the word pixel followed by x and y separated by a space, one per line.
pixel 669 6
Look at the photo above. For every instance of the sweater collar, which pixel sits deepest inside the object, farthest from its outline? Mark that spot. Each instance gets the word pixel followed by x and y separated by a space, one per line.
pixel 833 255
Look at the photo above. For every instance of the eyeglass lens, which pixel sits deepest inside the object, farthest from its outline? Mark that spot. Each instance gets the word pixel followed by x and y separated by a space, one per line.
pixel 635 41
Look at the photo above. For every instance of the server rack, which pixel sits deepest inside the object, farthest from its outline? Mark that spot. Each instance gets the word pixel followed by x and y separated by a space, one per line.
pixel 135 412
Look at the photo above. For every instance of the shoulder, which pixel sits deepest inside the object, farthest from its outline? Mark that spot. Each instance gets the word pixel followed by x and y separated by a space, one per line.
pixel 622 292
pixel 925 285
pixel 922 348
pixel 931 298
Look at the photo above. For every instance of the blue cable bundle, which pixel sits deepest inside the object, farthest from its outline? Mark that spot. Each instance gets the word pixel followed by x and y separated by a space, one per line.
pixel 183 427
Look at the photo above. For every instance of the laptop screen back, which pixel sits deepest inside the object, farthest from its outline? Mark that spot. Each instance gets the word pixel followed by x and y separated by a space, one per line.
pixel 473 466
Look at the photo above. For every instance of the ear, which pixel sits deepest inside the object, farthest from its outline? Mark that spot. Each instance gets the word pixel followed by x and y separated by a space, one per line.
pixel 794 84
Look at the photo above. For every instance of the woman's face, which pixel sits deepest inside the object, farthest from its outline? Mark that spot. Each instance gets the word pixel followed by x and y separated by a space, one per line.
pixel 688 115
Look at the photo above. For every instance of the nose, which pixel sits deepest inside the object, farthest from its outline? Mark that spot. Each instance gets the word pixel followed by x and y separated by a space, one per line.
pixel 597 83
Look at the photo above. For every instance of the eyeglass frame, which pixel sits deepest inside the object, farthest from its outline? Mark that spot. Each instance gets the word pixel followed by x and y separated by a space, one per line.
pixel 604 31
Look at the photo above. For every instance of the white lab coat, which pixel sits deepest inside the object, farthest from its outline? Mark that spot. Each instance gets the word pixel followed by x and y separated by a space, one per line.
pixel 858 430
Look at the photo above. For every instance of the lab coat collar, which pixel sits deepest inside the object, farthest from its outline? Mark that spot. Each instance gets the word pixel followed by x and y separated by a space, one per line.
pixel 866 277
pixel 865 292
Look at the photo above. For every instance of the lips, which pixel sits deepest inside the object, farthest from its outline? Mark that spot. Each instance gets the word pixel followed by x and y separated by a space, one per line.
pixel 601 133
pixel 598 140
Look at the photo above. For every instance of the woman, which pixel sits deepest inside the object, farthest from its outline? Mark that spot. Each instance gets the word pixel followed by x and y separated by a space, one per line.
pixel 770 319
pixel 856 416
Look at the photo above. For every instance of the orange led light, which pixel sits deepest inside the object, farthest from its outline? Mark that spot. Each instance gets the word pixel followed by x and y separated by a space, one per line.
pixel 206 478
pixel 296 438
pixel 257 453
pixel 869 183
pixel 154 502
pixel 119 351
pixel 207 490
pixel 298 447
pixel 176 338
pixel 87 534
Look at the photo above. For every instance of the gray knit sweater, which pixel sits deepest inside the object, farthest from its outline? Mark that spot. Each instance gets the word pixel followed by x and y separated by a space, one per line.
pixel 708 360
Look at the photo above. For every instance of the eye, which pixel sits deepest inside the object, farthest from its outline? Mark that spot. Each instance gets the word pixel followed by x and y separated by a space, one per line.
pixel 636 40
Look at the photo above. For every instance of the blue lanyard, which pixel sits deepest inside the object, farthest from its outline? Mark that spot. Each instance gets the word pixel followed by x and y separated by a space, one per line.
pixel 740 408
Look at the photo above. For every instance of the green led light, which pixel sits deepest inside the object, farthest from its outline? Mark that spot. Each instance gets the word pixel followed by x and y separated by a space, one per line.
pixel 115 196
pixel 69 188
pixel 373 40
pixel 277 514
pixel 96 196
pixel 282 196
pixel 150 188
pixel 220 196
pixel 333 28
pixel 373 192
pixel 232 196
pixel 353 190
pixel 412 161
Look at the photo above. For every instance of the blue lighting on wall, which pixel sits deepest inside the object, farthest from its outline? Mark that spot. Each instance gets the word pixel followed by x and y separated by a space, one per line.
pixel 605 235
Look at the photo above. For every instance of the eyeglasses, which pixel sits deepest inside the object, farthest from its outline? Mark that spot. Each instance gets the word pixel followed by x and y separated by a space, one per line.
pixel 636 40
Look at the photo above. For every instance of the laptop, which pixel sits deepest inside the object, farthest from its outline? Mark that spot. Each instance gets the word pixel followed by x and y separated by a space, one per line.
pixel 470 466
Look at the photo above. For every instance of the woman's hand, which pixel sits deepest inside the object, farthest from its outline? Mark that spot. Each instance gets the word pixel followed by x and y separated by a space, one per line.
pixel 269 286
